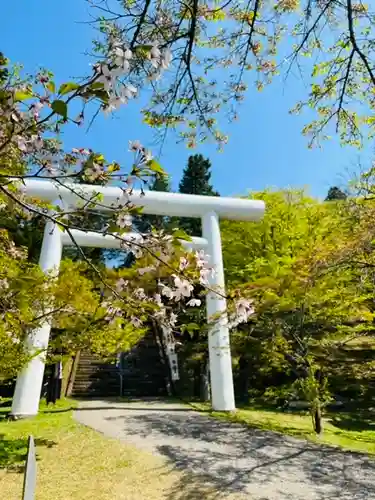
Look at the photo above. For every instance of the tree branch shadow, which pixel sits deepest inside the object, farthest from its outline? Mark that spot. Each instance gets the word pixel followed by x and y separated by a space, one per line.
pixel 234 459
pixel 197 487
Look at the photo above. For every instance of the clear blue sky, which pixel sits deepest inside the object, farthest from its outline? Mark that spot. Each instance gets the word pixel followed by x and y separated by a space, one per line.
pixel 266 148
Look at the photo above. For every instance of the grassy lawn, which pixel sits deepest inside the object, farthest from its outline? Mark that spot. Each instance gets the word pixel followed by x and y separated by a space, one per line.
pixel 75 462
pixel 351 431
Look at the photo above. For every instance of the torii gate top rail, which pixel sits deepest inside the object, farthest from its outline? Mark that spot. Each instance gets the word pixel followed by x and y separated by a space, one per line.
pixel 153 202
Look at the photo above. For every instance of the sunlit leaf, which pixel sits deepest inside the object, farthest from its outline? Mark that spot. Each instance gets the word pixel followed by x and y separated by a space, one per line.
pixel 60 107
pixel 68 87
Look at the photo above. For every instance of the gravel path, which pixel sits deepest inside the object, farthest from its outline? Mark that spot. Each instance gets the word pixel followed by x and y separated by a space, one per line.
pixel 256 465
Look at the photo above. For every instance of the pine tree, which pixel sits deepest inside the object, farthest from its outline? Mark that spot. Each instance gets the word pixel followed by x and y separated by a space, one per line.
pixel 196 180
pixel 335 193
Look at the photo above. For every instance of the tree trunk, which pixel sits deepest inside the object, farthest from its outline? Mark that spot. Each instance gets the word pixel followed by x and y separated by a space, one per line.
pixel 318 424
pixel 317 419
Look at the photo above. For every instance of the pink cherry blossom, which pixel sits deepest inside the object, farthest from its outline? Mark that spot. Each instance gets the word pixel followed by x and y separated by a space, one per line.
pixel 203 276
pixel 201 258
pixel 112 313
pixel 106 77
pixel 114 103
pixel 173 319
pixel 36 108
pixel 124 220
pixel 135 146
pixel 136 322
pixel 4 284
pixel 160 314
pixel 183 288
pixel 13 338
pixel 137 252
pixel 36 141
pixel 154 56
pixel 128 91
pixel 21 143
pixel 95 171
pixel 194 302
pixel 244 309
pixel 139 293
pixel 183 263
pixel 122 57
pixel 166 58
pixel 157 299
pixel 167 291
pixel 121 285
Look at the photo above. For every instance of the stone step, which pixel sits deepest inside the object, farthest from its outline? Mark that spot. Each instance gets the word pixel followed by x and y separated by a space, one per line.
pixel 98 394
pixel 87 381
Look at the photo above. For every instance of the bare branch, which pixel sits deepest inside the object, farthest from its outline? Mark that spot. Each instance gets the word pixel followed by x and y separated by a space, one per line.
pixel 354 43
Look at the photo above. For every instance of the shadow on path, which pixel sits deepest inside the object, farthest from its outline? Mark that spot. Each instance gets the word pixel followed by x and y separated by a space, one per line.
pixel 234 459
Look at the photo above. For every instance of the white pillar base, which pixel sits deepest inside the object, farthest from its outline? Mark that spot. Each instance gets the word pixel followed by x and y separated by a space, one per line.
pixel 29 383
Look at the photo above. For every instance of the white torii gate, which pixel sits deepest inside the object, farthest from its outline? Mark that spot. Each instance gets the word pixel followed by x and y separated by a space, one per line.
pixel 208 208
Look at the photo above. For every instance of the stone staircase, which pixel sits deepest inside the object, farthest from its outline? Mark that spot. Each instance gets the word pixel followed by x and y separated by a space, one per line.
pixel 95 377
pixel 143 374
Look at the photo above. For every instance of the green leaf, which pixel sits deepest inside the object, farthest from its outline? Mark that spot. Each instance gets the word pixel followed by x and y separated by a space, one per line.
pixel 113 228
pixel 113 167
pixel 96 90
pixel 135 210
pixel 156 167
pixel 181 235
pixel 22 95
pixel 99 158
pixel 51 86
pixel 60 107
pixel 142 50
pixel 97 86
pixel 65 88
pixel 190 328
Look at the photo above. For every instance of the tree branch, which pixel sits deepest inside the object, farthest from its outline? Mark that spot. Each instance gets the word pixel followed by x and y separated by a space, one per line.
pixel 354 43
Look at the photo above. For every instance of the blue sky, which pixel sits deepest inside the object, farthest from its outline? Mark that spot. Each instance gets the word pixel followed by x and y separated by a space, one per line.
pixel 266 148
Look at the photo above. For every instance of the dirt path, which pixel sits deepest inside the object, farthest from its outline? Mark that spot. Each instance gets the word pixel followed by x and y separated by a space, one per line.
pixel 237 461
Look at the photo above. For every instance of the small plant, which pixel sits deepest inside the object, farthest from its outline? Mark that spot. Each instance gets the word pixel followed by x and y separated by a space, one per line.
pixel 315 391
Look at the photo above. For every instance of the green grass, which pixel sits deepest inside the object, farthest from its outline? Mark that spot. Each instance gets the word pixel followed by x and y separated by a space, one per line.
pixel 350 431
pixel 75 462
